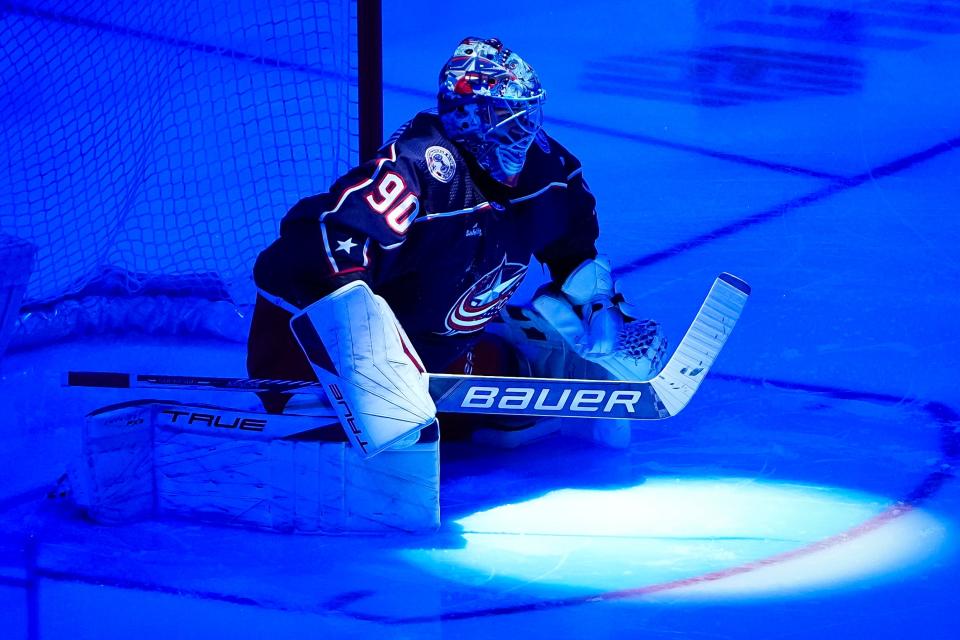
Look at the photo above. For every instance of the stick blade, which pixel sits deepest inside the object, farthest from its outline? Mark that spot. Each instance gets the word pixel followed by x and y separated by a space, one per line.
pixel 697 351
pixel 735 282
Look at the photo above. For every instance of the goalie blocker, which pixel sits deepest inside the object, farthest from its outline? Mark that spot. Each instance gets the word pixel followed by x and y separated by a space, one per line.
pixel 368 367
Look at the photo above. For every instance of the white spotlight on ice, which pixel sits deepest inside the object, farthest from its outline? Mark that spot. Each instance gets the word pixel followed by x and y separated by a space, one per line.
pixel 704 537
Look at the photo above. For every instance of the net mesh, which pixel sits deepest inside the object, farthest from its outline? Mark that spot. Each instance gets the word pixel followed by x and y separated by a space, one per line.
pixel 164 141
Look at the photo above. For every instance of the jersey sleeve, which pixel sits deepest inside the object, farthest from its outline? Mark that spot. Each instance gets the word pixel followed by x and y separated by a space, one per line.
pixel 373 205
pixel 576 220
pixel 367 210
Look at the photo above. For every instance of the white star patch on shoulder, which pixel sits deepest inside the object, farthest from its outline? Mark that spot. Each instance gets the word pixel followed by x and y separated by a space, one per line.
pixel 345 245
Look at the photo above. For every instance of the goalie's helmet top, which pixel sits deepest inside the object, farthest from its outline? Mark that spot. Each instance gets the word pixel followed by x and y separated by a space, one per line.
pixel 490 102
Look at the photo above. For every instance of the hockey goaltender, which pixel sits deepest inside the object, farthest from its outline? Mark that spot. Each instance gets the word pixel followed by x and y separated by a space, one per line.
pixel 405 266
pixel 405 262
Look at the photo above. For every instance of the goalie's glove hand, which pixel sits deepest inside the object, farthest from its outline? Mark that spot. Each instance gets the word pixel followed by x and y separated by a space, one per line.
pixel 586 311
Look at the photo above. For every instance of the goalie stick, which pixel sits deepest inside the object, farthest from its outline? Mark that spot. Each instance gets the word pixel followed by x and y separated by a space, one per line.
pixel 660 397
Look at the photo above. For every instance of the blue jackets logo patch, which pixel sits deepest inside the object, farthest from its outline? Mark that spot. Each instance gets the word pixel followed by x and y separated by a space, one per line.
pixel 484 299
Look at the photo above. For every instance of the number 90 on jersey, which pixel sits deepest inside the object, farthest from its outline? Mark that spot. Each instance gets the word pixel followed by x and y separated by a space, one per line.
pixel 391 199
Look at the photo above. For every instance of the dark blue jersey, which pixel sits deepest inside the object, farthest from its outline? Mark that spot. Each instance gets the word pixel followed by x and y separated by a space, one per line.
pixel 433 234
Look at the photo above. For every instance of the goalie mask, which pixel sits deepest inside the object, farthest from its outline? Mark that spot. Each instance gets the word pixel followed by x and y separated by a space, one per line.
pixel 490 102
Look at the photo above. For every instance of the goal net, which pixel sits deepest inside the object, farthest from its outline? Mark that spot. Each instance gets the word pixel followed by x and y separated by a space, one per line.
pixel 150 149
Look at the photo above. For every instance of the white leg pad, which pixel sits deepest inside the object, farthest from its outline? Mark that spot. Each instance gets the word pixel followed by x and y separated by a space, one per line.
pixel 151 460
